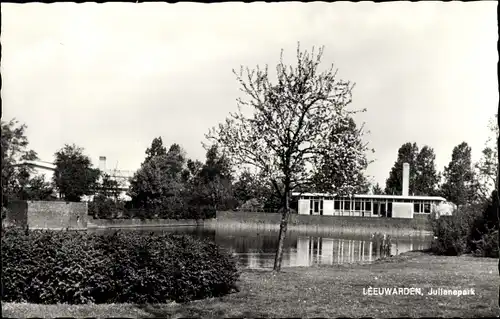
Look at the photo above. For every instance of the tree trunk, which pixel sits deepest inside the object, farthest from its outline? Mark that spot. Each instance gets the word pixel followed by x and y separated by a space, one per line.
pixel 282 235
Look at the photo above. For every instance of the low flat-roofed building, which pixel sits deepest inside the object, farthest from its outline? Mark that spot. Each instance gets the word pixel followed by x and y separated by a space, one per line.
pixel 396 206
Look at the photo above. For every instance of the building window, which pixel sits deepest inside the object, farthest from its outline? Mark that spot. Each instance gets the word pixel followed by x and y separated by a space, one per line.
pixel 347 205
pixel 336 204
pixel 427 207
pixel 357 205
pixel 316 207
pixel 368 206
pixel 416 207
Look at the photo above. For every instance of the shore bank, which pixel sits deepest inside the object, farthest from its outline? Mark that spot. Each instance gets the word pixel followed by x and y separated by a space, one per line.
pixel 334 230
pixel 418 226
pixel 325 291
pixel 139 223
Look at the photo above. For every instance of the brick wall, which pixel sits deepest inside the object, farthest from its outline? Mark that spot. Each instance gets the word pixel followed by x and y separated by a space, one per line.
pixel 55 214
pixel 47 214
pixel 16 215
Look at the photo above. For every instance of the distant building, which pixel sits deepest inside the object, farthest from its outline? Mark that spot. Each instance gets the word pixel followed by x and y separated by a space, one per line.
pixel 121 176
pixel 40 167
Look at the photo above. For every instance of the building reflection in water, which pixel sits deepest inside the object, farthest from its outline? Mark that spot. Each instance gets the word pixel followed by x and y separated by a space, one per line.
pixel 317 250
pixel 257 249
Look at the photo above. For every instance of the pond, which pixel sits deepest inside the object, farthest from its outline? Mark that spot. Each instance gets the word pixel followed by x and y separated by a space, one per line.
pixel 256 248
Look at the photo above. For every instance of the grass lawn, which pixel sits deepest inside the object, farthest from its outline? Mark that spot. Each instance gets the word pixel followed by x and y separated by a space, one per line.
pixel 324 291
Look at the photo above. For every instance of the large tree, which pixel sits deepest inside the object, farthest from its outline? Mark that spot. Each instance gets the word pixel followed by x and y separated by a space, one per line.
pixel 216 178
pixel 459 184
pixel 342 169
pixel 18 181
pixel 37 188
pixel 290 128
pixel 487 167
pixel 407 153
pixel 74 175
pixel 158 184
pixel 377 190
pixel 155 149
pixel 426 178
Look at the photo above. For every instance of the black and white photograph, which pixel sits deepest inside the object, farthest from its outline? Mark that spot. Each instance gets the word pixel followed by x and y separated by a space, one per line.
pixel 250 160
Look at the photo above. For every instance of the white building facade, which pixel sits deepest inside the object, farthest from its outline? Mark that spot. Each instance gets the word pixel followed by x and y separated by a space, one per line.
pixel 396 206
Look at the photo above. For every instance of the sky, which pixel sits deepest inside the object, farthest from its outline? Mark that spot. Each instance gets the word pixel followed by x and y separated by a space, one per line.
pixel 111 77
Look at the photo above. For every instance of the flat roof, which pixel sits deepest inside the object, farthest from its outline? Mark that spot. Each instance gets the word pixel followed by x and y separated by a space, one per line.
pixel 40 164
pixel 124 174
pixel 368 196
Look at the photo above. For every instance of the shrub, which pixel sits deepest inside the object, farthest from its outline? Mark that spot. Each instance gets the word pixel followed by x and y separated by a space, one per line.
pixel 482 240
pixel 72 267
pixel 487 246
pixel 104 207
pixel 453 232
pixel 252 205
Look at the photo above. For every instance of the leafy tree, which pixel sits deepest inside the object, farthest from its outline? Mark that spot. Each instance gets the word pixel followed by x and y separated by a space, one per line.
pixel 245 187
pixel 74 175
pixel 252 191
pixel 156 148
pixel 217 177
pixel 192 170
pixel 342 169
pixel 109 187
pixel 487 167
pixel 14 142
pixel 407 153
pixel 426 178
pixel 459 182
pixel 175 160
pixel 249 186
pixel 158 186
pixel 290 128
pixel 377 190
pixel 38 189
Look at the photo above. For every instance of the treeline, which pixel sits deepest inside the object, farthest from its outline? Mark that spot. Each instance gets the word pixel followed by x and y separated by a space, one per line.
pixel 462 181
pixel 167 184
pixel 170 185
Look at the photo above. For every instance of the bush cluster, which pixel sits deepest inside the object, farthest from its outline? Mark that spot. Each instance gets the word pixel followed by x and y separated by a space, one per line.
pixel 170 208
pixel 49 267
pixel 105 208
pixel 471 229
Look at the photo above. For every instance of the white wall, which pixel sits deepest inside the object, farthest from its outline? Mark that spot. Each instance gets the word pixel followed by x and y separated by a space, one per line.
pixel 402 210
pixel 328 207
pixel 303 207
pixel 303 252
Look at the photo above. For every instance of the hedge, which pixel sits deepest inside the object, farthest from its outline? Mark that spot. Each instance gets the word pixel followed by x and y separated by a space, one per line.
pixel 48 267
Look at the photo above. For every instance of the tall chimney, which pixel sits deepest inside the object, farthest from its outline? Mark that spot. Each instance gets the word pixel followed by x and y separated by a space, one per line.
pixel 102 163
pixel 406 178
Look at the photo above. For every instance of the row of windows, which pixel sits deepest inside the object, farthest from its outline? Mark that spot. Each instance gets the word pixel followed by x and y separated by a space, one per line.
pixel 392 200
pixel 316 206
pixel 420 207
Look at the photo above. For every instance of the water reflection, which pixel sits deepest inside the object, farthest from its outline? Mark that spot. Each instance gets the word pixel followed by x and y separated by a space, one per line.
pixel 256 249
